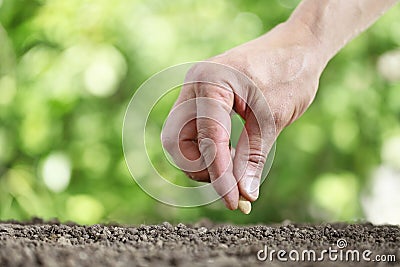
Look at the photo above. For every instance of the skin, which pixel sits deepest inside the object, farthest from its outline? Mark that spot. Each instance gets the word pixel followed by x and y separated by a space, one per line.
pixel 285 64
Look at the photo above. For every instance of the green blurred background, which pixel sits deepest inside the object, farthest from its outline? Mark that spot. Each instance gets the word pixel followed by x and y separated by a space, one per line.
pixel 69 68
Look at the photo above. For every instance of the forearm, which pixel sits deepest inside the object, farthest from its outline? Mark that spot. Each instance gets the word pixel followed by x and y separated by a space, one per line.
pixel 334 23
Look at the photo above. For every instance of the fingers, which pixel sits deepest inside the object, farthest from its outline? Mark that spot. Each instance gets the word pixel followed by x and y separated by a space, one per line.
pixel 213 128
pixel 179 121
pixel 197 134
pixel 255 142
pixel 188 144
pixel 179 137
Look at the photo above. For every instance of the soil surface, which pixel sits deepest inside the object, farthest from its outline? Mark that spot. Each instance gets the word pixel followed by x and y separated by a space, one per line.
pixel 39 243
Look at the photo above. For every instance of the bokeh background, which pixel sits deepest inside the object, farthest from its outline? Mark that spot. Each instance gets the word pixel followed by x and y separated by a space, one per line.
pixel 69 68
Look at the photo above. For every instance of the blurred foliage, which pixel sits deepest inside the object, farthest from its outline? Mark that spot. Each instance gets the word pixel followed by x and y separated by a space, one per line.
pixel 69 68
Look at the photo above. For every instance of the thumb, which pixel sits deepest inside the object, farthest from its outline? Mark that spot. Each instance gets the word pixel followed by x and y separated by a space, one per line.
pixel 254 144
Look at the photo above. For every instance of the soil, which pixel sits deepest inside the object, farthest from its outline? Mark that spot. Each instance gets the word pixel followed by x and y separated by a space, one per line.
pixel 39 243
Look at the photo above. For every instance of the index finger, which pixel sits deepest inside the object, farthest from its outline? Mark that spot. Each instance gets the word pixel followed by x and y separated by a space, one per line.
pixel 213 129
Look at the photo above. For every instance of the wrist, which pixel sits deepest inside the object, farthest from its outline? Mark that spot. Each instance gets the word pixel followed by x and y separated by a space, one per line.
pixel 298 34
pixel 306 35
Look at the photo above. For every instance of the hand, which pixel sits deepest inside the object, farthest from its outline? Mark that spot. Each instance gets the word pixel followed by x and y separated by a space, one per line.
pixel 269 82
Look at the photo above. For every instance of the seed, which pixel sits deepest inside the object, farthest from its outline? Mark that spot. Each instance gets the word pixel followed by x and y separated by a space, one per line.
pixel 244 205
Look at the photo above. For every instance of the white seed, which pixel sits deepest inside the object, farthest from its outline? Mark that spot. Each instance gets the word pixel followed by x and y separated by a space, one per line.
pixel 244 205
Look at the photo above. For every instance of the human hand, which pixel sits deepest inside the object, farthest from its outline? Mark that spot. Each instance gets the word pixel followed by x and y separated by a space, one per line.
pixel 269 82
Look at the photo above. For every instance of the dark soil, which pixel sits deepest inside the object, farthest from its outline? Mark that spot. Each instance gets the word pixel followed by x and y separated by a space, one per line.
pixel 53 244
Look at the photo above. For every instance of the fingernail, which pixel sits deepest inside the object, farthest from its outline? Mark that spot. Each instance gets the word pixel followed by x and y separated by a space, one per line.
pixel 251 186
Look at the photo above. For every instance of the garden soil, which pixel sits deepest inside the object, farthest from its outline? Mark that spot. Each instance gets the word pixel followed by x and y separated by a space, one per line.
pixel 39 243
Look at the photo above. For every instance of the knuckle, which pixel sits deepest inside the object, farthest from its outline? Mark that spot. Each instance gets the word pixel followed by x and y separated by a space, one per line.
pixel 257 160
pixel 210 81
pixel 195 73
pixel 215 91
pixel 206 132
pixel 214 132
pixel 257 156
